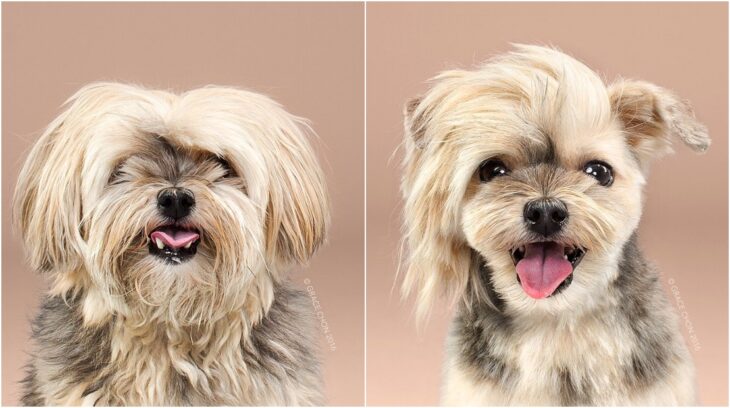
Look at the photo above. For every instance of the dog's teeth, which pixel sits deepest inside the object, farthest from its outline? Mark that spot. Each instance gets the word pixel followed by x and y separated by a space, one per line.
pixel 188 245
pixel 160 245
pixel 565 256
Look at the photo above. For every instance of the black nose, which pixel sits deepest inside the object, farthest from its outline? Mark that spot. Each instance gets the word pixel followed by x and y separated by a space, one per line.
pixel 175 202
pixel 545 216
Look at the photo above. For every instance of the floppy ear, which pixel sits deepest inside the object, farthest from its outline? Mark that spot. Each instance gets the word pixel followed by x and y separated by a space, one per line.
pixel 420 112
pixel 298 209
pixel 437 258
pixel 47 202
pixel 414 122
pixel 651 116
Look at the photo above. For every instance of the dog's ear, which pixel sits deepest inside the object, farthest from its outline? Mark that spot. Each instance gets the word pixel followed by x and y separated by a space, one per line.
pixel 436 257
pixel 651 116
pixel 421 113
pixel 47 204
pixel 298 208
pixel 414 121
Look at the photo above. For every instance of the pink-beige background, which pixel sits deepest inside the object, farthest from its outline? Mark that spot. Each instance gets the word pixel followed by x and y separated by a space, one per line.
pixel 310 58
pixel 680 46
pixel 307 56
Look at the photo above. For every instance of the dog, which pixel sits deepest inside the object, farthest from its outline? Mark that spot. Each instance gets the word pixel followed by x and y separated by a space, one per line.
pixel 522 185
pixel 166 224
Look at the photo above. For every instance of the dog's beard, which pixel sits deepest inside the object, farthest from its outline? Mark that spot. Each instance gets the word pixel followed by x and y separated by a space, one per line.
pixel 220 277
pixel 185 294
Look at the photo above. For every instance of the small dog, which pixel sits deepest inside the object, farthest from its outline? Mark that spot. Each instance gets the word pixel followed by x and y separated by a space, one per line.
pixel 166 224
pixel 523 192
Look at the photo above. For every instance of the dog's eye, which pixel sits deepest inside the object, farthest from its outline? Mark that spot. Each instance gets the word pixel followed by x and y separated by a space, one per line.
pixel 600 171
pixel 492 168
pixel 228 170
pixel 118 175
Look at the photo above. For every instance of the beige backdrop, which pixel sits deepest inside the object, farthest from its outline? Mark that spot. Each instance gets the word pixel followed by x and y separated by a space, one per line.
pixel 307 56
pixel 684 229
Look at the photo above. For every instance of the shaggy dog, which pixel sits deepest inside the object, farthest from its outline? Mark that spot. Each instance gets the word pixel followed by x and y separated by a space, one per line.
pixel 166 224
pixel 523 192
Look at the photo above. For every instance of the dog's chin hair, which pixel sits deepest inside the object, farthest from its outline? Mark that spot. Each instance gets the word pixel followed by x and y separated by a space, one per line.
pixel 192 293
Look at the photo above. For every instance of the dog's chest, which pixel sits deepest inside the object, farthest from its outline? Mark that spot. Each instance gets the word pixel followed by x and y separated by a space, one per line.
pixel 540 363
pixel 568 363
pixel 155 371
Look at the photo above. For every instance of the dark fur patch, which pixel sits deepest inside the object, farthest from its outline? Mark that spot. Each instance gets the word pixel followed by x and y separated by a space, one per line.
pixel 572 394
pixel 643 305
pixel 68 351
pixel 477 325
pixel 279 330
pixel 484 280
pixel 31 397
pixel 539 154
pixel 536 153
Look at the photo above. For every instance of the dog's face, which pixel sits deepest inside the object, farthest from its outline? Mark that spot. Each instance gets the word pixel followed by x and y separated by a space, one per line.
pixel 533 168
pixel 174 226
pixel 563 201
pixel 178 208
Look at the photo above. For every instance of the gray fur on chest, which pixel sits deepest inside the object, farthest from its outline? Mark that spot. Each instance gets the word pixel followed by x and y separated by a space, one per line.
pixel 280 352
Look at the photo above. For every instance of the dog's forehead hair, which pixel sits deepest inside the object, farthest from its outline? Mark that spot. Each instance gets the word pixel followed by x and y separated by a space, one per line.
pixel 543 146
pixel 536 153
pixel 161 158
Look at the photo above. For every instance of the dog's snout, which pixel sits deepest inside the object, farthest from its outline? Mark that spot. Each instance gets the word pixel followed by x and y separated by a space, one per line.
pixel 545 216
pixel 175 203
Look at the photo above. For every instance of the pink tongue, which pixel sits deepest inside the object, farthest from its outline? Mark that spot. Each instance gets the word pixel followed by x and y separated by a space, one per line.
pixel 174 239
pixel 543 269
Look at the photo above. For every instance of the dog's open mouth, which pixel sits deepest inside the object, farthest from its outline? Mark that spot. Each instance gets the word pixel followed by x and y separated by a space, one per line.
pixel 174 244
pixel 545 268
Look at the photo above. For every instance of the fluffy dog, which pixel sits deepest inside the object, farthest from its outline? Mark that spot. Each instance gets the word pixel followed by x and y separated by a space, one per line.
pixel 166 224
pixel 523 192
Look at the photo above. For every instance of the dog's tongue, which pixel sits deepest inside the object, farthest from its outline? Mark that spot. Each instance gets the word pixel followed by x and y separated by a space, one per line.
pixel 174 238
pixel 543 269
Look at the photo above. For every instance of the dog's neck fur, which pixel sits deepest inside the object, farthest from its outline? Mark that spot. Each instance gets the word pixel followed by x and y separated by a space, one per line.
pixel 133 361
pixel 490 340
pixel 98 307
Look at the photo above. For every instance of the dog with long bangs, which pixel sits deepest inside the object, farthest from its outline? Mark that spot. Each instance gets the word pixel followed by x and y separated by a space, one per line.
pixel 523 193
pixel 166 224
